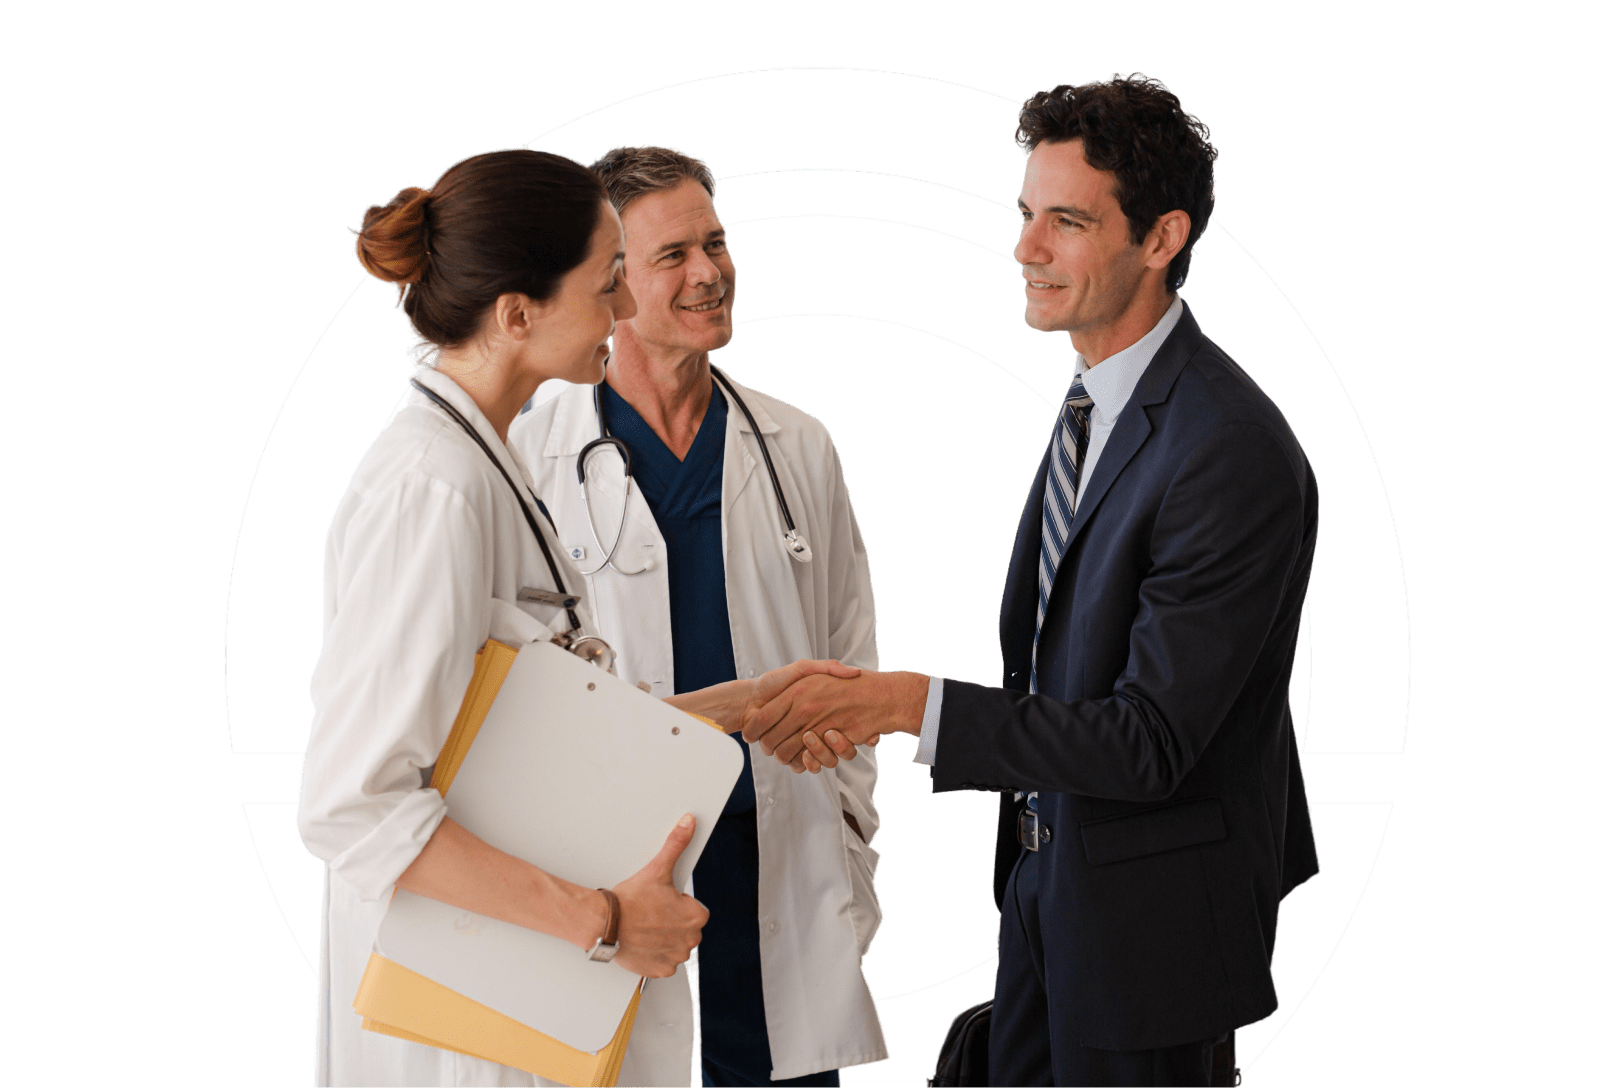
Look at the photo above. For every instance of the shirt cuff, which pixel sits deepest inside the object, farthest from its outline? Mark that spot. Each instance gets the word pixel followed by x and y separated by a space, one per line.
pixel 930 722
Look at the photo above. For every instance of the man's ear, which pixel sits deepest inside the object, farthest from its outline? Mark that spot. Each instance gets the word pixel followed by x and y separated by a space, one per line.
pixel 1166 239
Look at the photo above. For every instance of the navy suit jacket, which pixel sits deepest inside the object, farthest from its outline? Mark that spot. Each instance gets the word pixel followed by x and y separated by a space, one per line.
pixel 1160 740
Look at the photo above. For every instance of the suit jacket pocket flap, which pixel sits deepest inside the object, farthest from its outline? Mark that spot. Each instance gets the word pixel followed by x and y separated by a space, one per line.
pixel 1137 834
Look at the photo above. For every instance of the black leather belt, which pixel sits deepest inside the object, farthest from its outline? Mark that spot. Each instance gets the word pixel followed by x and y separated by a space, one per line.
pixel 1030 832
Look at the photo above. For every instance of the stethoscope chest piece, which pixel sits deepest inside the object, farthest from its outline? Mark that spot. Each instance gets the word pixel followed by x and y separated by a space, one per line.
pixel 597 650
pixel 798 548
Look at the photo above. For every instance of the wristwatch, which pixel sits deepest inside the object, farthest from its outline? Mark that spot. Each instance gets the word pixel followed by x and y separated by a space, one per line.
pixel 606 946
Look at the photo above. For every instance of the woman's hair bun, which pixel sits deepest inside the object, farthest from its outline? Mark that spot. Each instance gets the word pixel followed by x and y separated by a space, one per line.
pixel 505 222
pixel 393 241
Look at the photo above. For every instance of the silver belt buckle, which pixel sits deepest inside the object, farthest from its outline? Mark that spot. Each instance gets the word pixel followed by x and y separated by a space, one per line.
pixel 1030 832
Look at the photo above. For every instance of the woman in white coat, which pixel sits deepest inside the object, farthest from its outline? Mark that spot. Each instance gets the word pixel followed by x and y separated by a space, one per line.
pixel 512 267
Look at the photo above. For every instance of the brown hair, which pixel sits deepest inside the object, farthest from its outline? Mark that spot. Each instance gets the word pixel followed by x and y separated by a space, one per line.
pixel 1135 128
pixel 630 172
pixel 508 221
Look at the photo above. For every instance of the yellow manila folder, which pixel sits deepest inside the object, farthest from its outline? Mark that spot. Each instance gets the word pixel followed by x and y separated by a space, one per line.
pixel 582 774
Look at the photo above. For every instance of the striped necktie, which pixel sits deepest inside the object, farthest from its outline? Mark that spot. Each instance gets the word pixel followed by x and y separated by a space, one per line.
pixel 1067 448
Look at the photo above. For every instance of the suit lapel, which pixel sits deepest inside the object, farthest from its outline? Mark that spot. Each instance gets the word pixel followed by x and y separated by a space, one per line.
pixel 1133 426
pixel 1131 429
pixel 1021 599
pixel 1019 606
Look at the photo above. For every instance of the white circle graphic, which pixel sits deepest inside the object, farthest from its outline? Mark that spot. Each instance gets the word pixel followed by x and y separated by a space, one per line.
pixel 812 119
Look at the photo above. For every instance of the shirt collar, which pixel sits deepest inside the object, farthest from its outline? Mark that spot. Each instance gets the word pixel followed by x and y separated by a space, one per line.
pixel 462 401
pixel 459 399
pixel 1111 382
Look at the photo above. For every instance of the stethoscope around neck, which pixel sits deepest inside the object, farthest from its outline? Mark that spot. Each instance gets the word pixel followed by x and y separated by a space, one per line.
pixel 793 542
pixel 573 640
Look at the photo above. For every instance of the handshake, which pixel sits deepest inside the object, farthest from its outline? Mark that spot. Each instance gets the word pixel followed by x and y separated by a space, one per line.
pixel 811 714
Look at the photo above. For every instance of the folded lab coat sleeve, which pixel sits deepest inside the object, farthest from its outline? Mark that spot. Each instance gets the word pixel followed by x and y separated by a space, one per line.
pixel 852 634
pixel 407 608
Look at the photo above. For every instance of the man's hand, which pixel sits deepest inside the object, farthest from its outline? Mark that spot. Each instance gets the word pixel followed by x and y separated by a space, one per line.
pixel 729 704
pixel 816 754
pixel 855 711
pixel 659 925
pixel 769 685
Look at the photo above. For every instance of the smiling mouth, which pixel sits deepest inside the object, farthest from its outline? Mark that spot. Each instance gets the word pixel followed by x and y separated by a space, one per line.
pixel 705 307
pixel 1041 285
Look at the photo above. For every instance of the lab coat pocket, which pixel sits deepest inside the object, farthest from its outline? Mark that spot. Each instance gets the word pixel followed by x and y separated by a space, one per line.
pixel 865 914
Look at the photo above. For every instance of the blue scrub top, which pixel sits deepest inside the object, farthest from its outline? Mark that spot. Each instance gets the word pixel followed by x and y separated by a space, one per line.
pixel 685 498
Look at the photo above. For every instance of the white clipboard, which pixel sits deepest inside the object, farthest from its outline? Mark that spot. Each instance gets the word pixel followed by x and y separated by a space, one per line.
pixel 583 775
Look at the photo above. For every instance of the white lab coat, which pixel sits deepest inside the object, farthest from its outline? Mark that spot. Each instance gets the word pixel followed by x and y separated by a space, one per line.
pixel 426 554
pixel 818 910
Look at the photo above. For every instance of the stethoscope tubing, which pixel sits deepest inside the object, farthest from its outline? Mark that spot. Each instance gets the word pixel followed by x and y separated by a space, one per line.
pixel 761 440
pixel 799 550
pixel 622 522
pixel 538 534
pixel 794 543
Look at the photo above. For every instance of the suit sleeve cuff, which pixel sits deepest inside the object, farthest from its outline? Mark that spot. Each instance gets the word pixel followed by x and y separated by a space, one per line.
pixel 929 743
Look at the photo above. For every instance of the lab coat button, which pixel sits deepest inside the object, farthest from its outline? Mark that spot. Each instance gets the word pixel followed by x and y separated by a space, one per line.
pixel 771 800
pixel 772 927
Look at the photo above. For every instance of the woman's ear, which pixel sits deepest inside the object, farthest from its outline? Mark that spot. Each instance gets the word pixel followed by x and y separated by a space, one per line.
pixel 514 315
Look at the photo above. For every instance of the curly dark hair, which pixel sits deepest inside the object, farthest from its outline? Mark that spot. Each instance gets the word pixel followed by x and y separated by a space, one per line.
pixel 1135 128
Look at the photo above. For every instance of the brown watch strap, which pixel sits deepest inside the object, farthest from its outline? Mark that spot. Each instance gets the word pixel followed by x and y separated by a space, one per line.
pixel 613 916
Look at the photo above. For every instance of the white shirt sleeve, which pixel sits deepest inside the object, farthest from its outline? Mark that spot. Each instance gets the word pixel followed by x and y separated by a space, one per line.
pixel 408 602
pixel 928 744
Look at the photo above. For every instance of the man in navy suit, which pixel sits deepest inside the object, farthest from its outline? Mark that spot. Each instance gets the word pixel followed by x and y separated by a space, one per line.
pixel 1152 811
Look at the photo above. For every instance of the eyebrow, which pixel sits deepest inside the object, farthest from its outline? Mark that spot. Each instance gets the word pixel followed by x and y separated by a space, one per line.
pixel 715 235
pixel 1069 210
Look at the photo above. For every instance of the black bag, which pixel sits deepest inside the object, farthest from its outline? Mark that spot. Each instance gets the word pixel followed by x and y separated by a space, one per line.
pixel 964 1058
pixel 1223 1071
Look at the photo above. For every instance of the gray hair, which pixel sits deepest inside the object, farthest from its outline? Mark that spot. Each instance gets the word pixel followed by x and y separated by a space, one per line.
pixel 630 172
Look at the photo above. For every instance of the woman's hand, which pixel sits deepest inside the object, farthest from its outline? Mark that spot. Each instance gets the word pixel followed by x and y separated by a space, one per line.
pixel 659 924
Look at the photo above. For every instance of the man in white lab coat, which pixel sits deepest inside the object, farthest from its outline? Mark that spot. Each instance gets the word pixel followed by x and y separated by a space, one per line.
pixel 737 553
